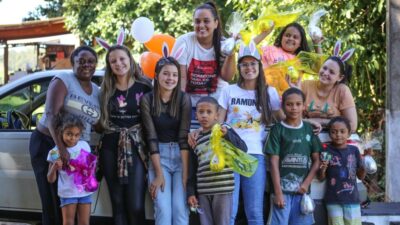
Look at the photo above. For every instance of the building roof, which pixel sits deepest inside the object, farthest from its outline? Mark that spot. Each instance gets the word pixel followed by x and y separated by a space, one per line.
pixel 33 29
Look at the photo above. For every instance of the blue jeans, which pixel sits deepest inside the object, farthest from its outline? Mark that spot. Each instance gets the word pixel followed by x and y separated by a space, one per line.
pixel 291 213
pixel 170 206
pixel 253 194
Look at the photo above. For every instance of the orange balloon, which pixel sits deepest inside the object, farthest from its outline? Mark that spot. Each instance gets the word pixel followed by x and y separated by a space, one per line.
pixel 148 61
pixel 156 43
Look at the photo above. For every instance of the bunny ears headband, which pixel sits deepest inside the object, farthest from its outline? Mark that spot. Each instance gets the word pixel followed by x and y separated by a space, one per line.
pixel 250 50
pixel 346 55
pixel 120 40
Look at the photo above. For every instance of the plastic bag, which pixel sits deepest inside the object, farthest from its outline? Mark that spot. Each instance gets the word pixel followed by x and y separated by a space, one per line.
pixel 280 19
pixel 314 31
pixel 369 164
pixel 234 25
pixel 226 154
pixel 307 204
pixel 268 18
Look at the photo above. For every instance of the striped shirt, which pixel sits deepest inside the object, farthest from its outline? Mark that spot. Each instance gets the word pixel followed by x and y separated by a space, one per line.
pixel 209 182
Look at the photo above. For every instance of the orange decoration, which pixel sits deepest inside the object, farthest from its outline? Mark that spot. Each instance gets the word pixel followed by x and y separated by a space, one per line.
pixel 156 42
pixel 148 61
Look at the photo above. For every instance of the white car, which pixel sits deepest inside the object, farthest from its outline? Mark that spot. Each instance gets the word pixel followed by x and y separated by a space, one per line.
pixel 21 105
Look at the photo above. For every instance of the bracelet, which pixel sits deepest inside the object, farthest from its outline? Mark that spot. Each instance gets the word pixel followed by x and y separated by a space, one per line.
pixel 317 45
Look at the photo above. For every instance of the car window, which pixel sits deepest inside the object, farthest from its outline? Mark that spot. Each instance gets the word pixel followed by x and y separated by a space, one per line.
pixel 24 99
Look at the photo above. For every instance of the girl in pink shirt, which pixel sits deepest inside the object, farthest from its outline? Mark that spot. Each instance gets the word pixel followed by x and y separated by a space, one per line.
pixel 290 41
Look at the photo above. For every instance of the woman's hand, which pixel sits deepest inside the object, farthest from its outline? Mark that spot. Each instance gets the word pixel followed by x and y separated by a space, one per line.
pixel 317 127
pixel 157 183
pixel 64 156
pixel 192 137
pixel 184 178
pixel 297 84
pixel 279 201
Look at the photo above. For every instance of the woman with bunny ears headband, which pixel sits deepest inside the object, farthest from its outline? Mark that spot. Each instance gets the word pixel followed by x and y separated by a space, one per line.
pixel 166 113
pixel 329 96
pixel 248 107
pixel 204 69
pixel 122 157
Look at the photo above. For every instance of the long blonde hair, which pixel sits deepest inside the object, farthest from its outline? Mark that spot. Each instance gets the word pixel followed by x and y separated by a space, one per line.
pixel 108 85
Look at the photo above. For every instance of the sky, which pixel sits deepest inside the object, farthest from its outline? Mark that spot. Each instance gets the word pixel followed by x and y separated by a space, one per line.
pixel 12 11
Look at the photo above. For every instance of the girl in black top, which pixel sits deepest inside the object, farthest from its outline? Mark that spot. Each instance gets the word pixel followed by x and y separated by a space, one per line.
pixel 166 116
pixel 121 152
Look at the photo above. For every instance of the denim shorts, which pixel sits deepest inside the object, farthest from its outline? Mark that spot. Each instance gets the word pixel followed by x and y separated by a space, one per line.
pixel 78 200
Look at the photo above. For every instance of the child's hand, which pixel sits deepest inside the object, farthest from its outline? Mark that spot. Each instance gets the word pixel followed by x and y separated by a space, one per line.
pixel 303 188
pixel 157 183
pixel 224 130
pixel 192 201
pixel 279 201
pixel 58 164
pixel 267 26
pixel 324 165
pixel 317 40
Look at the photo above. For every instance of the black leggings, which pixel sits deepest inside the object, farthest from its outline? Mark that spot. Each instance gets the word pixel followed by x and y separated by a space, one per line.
pixel 39 146
pixel 127 199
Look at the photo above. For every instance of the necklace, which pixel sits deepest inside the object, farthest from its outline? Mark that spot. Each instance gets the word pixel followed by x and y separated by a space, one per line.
pixel 323 95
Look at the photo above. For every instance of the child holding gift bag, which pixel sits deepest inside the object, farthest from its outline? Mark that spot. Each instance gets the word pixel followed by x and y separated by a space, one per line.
pixel 340 168
pixel 293 150
pixel 76 181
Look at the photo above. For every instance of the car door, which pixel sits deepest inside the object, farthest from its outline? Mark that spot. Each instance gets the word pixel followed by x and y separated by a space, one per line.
pixel 19 190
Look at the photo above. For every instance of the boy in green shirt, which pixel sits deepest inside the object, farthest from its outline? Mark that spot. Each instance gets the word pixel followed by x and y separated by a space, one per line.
pixel 294 156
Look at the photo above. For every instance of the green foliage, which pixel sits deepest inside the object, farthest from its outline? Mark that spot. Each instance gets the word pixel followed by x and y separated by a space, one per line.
pixel 52 8
pixel 360 25
pixel 103 19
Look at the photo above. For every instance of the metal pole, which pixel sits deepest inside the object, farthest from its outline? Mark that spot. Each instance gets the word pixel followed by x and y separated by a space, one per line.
pixel 6 76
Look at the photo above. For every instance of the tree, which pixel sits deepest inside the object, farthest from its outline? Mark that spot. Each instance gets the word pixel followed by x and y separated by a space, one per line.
pixel 91 19
pixel 53 8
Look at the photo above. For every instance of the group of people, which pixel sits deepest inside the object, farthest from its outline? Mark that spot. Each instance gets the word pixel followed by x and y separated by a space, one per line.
pixel 145 131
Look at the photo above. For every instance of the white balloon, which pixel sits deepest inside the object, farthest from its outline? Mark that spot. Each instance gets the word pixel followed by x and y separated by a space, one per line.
pixel 142 29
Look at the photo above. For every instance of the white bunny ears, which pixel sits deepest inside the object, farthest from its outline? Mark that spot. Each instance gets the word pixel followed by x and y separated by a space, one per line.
pixel 120 40
pixel 346 55
pixel 250 50
pixel 176 53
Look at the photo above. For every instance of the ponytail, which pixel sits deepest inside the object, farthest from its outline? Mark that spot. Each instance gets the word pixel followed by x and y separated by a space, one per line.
pixel 217 33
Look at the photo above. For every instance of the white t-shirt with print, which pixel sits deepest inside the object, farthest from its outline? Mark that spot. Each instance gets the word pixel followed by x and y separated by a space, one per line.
pixel 202 77
pixel 242 115
pixel 66 185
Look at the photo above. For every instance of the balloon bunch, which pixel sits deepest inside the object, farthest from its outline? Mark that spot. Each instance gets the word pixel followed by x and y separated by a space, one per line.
pixel 226 154
pixel 142 30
